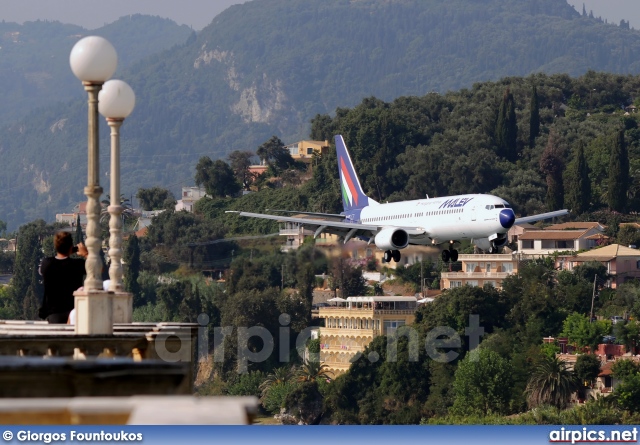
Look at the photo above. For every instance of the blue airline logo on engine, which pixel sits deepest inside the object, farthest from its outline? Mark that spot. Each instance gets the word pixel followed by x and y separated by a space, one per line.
pixel 458 202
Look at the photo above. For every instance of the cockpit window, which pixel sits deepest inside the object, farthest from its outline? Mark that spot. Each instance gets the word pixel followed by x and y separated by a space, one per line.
pixel 488 207
pixel 499 206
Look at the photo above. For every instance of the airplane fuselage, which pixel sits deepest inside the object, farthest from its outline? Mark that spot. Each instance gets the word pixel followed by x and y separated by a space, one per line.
pixel 443 219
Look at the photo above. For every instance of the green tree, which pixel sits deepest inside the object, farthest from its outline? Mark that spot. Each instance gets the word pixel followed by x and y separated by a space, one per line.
pixel 240 161
pixel 348 278
pixel 627 393
pixel 628 235
pixel 3 228
pixel 283 374
pixel 507 128
pixel 578 195
pixel 131 258
pixel 483 384
pixel 618 173
pixel 275 155
pixel 624 368
pixel 28 256
pixel 551 383
pixel 153 198
pixel 79 237
pixel 552 165
pixel 217 178
pixel 534 118
pixel 587 367
pixel 580 331
pixel 31 301
pixel 312 370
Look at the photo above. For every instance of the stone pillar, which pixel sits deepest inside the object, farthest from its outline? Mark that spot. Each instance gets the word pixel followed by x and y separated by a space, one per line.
pixel 122 301
pixel 94 311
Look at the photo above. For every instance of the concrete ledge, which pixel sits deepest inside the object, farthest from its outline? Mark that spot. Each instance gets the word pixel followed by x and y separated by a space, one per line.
pixel 66 377
pixel 144 410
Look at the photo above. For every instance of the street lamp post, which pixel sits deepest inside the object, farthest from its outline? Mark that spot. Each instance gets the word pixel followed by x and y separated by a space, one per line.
pixel 116 102
pixel 93 60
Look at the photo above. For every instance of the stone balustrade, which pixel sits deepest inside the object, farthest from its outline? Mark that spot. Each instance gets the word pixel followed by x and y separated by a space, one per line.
pixel 136 410
pixel 164 342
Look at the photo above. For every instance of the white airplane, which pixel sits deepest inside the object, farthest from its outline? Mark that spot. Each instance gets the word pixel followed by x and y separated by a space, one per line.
pixel 484 219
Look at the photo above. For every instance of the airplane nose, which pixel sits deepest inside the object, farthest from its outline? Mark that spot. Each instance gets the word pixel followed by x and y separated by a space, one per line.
pixel 507 218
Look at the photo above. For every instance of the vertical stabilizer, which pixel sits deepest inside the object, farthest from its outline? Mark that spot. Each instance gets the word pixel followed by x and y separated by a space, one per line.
pixel 353 197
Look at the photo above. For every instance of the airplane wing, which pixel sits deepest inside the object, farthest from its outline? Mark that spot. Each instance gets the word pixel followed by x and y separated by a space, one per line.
pixel 541 216
pixel 293 212
pixel 347 229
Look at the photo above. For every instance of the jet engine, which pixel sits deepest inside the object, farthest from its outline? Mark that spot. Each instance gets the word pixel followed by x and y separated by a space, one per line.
pixel 496 240
pixel 392 239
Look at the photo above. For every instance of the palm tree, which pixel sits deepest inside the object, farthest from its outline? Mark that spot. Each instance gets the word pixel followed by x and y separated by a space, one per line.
pixel 279 375
pixel 551 383
pixel 127 212
pixel 313 370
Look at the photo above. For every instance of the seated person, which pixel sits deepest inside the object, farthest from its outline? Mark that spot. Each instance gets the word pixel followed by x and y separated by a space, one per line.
pixel 62 276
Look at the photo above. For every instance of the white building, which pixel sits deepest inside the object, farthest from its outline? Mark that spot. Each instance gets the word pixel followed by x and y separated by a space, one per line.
pixel 188 197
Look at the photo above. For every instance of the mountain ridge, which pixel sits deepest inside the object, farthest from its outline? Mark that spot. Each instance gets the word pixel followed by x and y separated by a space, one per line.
pixel 268 67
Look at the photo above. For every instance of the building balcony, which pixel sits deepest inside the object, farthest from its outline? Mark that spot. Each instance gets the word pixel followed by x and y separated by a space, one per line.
pixel 475 275
pixel 346 332
pixel 340 311
pixel 486 257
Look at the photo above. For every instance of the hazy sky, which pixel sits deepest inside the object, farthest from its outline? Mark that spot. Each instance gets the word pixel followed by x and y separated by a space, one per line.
pixel 612 10
pixel 93 14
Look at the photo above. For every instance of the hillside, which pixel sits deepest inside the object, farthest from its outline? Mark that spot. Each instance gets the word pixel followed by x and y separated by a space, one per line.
pixel 34 57
pixel 269 66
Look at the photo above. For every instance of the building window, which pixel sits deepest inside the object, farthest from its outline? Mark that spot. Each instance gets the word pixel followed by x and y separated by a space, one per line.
pixel 471 267
pixel 527 244
pixel 490 283
pixel 453 284
pixel 390 326
pixel 309 150
pixel 472 283
pixel 507 267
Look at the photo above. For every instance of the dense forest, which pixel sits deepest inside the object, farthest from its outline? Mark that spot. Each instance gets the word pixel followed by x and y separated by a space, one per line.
pixel 268 67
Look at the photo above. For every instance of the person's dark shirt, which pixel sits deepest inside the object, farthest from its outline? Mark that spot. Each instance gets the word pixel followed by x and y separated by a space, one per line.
pixel 62 277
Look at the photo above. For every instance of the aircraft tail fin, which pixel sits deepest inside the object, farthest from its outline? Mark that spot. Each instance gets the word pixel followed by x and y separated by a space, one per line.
pixel 352 195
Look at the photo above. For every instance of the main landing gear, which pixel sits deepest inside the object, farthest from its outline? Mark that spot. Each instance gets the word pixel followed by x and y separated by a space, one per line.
pixel 450 255
pixel 391 255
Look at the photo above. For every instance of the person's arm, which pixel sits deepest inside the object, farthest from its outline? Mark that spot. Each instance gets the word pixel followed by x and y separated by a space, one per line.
pixel 82 251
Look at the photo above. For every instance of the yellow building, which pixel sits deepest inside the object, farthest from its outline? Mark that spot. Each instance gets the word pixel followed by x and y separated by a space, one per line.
pixel 304 150
pixel 351 325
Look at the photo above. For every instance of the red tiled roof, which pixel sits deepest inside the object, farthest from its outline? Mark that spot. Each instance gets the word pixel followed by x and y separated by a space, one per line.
pixel 142 232
pixel 551 235
pixel 573 225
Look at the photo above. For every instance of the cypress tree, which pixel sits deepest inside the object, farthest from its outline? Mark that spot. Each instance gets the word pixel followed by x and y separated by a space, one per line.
pixel 618 179
pixel 506 132
pixel 579 193
pixel 28 256
pixel 132 259
pixel 512 131
pixel 552 165
pixel 534 119
pixel 79 237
